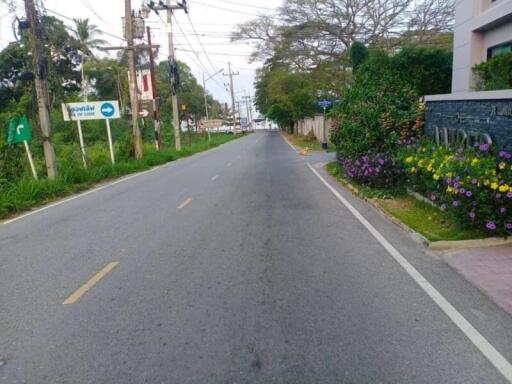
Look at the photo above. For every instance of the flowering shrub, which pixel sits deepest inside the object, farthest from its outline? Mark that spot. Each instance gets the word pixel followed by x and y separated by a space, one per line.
pixel 474 185
pixel 381 171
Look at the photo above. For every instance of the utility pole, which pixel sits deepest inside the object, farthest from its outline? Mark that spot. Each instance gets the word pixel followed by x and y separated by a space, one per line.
pixel 137 138
pixel 174 88
pixel 206 99
pixel 40 64
pixel 156 98
pixel 172 62
pixel 248 111
pixel 232 90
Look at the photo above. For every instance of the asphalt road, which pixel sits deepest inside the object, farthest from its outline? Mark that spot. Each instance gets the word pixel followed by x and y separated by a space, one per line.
pixel 237 265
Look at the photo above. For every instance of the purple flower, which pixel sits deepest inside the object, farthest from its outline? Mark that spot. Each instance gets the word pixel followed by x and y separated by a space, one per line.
pixel 509 195
pixel 381 161
pixel 460 150
pixel 433 197
pixel 484 147
pixel 456 184
pixel 472 215
pixel 508 226
pixel 474 181
pixel 469 193
pixel 462 191
pixel 456 203
pixel 505 155
pixel 491 226
pixel 503 210
pixel 498 196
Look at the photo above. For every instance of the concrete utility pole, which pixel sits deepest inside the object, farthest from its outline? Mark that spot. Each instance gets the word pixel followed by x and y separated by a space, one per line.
pixel 248 106
pixel 156 98
pixel 232 90
pixel 250 112
pixel 174 93
pixel 137 137
pixel 172 62
pixel 40 64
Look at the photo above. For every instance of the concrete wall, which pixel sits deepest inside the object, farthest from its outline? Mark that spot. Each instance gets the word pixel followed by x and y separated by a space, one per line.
pixel 479 24
pixel 488 113
pixel 314 125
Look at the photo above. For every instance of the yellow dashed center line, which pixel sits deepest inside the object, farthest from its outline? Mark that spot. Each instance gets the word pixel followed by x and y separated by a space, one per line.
pixel 185 203
pixel 91 283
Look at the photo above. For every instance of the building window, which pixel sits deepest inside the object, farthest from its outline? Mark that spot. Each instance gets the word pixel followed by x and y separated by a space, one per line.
pixel 499 49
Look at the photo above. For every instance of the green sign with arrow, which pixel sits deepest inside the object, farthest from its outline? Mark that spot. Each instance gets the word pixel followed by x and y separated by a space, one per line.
pixel 19 130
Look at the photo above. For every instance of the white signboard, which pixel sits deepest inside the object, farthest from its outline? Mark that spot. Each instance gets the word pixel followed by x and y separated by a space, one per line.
pixel 144 85
pixel 94 110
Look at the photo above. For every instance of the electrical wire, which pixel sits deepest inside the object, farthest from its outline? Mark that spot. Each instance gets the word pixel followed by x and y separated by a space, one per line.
pixel 247 5
pixel 215 70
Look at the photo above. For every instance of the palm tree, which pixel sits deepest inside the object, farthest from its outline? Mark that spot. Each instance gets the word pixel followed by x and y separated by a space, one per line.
pixel 87 36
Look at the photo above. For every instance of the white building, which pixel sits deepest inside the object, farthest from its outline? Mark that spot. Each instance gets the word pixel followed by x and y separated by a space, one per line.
pixel 483 29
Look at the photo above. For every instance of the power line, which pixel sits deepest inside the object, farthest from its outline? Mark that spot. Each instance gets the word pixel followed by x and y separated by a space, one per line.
pixel 91 8
pixel 201 44
pixel 70 19
pixel 219 53
pixel 247 5
pixel 227 9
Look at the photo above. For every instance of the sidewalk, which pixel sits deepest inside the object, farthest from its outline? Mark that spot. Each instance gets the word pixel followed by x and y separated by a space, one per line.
pixel 489 268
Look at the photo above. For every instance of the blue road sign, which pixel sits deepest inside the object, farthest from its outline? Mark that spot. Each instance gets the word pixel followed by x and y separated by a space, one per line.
pixel 325 103
pixel 107 110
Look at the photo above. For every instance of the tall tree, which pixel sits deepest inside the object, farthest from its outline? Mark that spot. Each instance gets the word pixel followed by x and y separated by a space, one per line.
pixel 306 33
pixel 87 36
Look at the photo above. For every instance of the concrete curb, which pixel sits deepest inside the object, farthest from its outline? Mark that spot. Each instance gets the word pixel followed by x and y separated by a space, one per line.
pixel 417 237
pixel 437 246
pixel 462 244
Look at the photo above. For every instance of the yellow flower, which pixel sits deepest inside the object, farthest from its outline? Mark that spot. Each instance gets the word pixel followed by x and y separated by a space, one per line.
pixel 449 174
pixel 494 186
pixel 409 159
pixel 413 169
pixel 449 189
pixel 429 168
pixel 504 188
pixel 486 182
pixel 474 162
pixel 436 176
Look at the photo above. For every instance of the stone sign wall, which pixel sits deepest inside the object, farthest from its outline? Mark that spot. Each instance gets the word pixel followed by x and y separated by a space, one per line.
pixel 466 122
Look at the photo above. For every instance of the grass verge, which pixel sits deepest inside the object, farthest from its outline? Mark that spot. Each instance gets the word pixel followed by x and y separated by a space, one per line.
pixel 429 221
pixel 309 142
pixel 26 192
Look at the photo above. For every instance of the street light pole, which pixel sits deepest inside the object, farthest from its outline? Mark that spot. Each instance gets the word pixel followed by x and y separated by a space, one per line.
pixel 206 101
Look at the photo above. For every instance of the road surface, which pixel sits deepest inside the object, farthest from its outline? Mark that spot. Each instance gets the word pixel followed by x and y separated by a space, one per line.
pixel 238 265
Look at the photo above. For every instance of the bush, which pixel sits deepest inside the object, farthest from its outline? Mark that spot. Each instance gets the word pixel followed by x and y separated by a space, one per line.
pixel 495 73
pixel 379 171
pixel 382 109
pixel 377 113
pixel 474 185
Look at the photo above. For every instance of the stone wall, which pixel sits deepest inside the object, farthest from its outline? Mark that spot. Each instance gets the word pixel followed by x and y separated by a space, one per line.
pixel 470 120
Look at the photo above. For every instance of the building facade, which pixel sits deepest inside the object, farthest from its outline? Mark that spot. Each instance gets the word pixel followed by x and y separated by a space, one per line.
pixel 483 29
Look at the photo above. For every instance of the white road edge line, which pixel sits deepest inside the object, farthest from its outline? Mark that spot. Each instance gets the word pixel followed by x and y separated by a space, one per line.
pixel 60 202
pixel 484 346
pixel 120 180
pixel 215 177
pixel 185 203
pixel 287 142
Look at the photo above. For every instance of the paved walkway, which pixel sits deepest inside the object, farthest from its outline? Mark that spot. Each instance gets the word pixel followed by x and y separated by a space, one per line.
pixel 490 269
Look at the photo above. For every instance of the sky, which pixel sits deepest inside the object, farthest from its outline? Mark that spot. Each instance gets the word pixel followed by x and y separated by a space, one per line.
pixel 213 20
